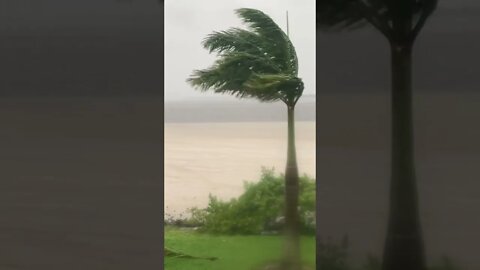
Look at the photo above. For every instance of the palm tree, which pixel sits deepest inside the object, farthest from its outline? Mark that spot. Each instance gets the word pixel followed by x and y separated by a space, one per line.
pixel 400 21
pixel 260 63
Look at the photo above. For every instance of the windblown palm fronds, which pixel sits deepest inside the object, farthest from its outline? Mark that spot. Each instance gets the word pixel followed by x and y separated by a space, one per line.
pixel 385 16
pixel 258 62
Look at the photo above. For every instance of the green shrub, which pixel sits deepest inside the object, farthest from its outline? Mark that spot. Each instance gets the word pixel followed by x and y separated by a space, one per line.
pixel 445 263
pixel 258 209
pixel 372 263
pixel 332 256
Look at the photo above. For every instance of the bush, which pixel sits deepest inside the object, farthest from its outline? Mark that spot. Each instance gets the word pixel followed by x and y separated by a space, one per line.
pixel 333 256
pixel 445 263
pixel 259 209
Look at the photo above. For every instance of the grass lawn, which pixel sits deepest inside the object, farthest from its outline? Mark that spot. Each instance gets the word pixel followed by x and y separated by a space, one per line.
pixel 233 252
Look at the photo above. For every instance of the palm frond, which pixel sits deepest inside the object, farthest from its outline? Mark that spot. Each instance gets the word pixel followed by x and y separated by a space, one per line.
pixel 275 86
pixel 384 15
pixel 234 39
pixel 280 45
pixel 238 40
pixel 229 73
pixel 258 62
pixel 339 15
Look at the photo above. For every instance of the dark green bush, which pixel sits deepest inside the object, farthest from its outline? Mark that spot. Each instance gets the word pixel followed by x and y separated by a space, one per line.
pixel 332 256
pixel 445 263
pixel 259 209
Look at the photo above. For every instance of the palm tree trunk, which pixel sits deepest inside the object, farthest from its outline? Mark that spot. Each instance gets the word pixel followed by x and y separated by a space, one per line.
pixel 404 245
pixel 292 244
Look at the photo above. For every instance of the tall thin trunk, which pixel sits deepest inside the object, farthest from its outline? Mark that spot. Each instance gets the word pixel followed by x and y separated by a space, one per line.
pixel 404 247
pixel 292 243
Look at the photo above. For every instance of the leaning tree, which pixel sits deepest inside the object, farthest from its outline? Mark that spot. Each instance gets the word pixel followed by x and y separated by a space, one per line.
pixel 260 62
pixel 400 21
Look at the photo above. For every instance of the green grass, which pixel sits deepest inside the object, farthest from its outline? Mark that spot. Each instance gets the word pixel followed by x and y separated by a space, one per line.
pixel 233 252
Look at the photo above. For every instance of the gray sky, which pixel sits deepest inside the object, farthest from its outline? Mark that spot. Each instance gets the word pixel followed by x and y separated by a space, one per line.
pixel 188 22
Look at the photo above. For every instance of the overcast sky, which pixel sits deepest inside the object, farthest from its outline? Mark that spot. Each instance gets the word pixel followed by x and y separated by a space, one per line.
pixel 188 22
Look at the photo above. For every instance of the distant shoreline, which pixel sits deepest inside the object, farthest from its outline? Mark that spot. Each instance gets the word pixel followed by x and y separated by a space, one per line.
pixel 221 111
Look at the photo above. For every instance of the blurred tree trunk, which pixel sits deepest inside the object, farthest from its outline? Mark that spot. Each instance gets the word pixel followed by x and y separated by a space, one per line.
pixel 404 248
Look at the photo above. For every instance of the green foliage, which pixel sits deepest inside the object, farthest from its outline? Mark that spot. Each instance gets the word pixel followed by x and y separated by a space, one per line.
pixel 258 209
pixel 388 17
pixel 333 256
pixel 372 263
pixel 445 263
pixel 259 62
